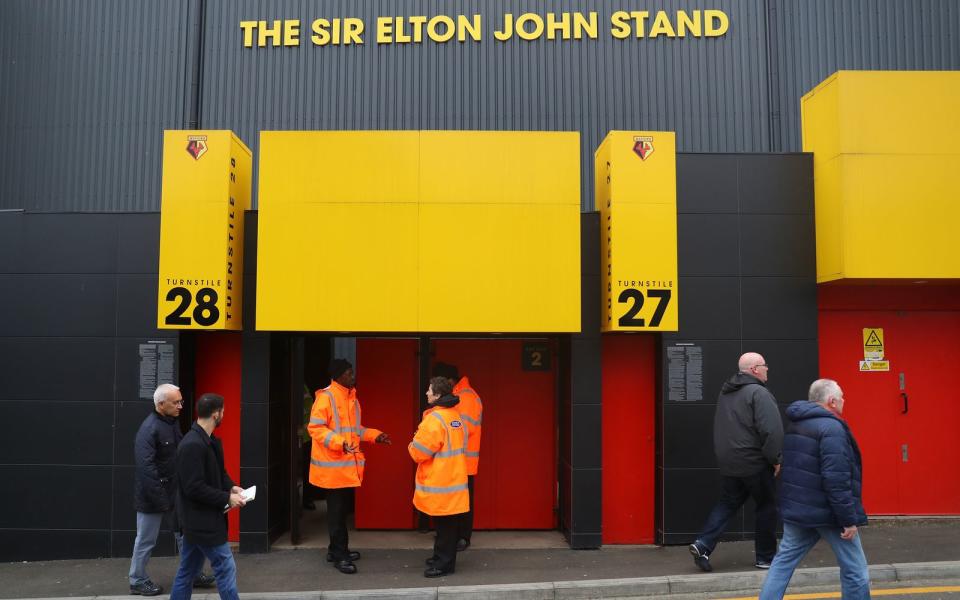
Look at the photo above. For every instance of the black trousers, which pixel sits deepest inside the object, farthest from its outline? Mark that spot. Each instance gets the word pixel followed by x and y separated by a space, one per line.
pixel 735 491
pixel 465 525
pixel 338 509
pixel 445 547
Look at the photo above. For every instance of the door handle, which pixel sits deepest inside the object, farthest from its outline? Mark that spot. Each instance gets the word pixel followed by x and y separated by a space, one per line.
pixel 906 403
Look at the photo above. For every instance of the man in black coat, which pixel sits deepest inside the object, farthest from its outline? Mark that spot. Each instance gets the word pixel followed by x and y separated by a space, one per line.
pixel 154 491
pixel 748 440
pixel 206 493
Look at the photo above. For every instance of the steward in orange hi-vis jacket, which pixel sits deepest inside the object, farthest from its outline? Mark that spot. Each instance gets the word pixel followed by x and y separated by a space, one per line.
pixel 439 448
pixel 471 411
pixel 336 462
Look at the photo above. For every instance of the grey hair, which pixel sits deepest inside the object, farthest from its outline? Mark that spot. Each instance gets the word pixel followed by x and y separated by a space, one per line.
pixel 822 390
pixel 162 391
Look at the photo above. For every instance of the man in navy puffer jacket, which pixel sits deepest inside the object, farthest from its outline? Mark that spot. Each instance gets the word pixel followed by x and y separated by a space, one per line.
pixel 820 495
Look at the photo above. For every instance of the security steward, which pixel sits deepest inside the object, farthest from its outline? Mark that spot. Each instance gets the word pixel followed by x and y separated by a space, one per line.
pixel 336 462
pixel 439 449
pixel 471 411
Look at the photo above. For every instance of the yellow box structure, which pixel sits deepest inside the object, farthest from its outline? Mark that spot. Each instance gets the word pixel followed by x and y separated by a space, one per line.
pixel 205 191
pixel 636 191
pixel 885 171
pixel 409 231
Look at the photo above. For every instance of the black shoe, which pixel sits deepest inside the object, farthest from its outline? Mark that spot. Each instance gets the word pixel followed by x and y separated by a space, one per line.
pixel 204 580
pixel 430 561
pixel 353 556
pixel 462 545
pixel 309 505
pixel 700 557
pixel 345 566
pixel 147 588
pixel 432 572
pixel 762 564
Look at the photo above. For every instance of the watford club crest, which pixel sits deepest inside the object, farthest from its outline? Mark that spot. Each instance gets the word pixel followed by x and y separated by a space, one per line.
pixel 197 146
pixel 643 146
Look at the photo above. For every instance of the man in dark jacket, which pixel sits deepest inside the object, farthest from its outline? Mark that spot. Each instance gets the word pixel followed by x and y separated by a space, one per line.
pixel 206 493
pixel 821 493
pixel 747 439
pixel 154 487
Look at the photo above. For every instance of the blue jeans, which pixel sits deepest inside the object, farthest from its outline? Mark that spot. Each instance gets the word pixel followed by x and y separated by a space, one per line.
pixel 148 529
pixel 734 492
pixel 797 541
pixel 191 561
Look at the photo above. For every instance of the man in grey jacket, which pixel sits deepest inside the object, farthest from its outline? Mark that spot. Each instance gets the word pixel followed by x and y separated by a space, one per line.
pixel 748 440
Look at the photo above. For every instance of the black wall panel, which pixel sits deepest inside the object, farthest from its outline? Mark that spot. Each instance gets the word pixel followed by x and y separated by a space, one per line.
pixel 79 295
pixel 747 283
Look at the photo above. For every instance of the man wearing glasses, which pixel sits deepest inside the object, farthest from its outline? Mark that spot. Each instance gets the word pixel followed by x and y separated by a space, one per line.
pixel 155 488
pixel 748 440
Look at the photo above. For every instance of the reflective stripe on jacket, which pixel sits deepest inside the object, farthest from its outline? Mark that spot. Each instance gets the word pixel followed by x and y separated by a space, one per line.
pixel 335 419
pixel 439 448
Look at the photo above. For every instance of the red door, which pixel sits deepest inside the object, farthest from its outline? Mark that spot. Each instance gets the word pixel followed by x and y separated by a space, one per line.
pixel 388 388
pixel 909 457
pixel 516 483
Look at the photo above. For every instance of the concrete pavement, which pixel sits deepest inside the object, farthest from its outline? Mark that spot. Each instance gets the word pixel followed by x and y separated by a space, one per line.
pixel 910 550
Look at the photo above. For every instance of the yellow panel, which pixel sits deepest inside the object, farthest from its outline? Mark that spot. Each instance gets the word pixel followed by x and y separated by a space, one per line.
pixel 339 166
pixel 901 216
pixel 499 268
pixel 349 243
pixel 337 267
pixel 885 164
pixel 500 167
pixel 900 112
pixel 828 215
pixel 636 191
pixel 205 189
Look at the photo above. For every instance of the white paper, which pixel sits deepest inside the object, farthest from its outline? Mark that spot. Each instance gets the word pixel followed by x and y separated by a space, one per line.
pixel 249 494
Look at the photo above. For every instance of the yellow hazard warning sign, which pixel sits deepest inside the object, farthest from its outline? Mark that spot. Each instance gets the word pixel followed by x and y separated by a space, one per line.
pixel 872 343
pixel 874 365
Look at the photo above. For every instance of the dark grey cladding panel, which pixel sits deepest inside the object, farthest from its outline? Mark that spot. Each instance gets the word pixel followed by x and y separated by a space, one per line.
pixel 58 305
pixel 56 368
pixel 587 436
pixel 693 492
pixel 590 243
pixel 776 183
pixel 138 243
pixel 708 244
pixel 11 240
pixel 707 183
pixel 33 497
pixel 137 306
pixel 254 516
pixel 794 365
pixel 44 544
pixel 74 433
pixel 719 363
pixel 778 245
pixel 779 308
pixel 587 500
pixel 709 308
pixel 688 435
pixel 255 423
pixel 69 243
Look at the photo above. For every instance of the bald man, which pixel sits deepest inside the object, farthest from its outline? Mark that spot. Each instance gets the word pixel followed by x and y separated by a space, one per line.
pixel 748 440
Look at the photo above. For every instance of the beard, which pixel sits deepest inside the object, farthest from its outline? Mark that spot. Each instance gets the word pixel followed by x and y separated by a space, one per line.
pixel 217 421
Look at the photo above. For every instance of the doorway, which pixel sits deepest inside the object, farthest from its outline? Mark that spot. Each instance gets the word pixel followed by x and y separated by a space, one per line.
pixel 903 419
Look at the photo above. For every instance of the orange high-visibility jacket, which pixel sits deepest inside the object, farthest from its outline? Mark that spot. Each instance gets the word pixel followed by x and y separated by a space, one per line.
pixel 335 419
pixel 471 409
pixel 438 448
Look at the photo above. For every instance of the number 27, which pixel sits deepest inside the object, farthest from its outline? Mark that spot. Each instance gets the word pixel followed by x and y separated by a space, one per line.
pixel 630 319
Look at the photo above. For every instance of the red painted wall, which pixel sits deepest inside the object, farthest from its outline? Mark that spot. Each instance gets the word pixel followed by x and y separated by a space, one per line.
pixel 217 369
pixel 921 327
pixel 629 429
